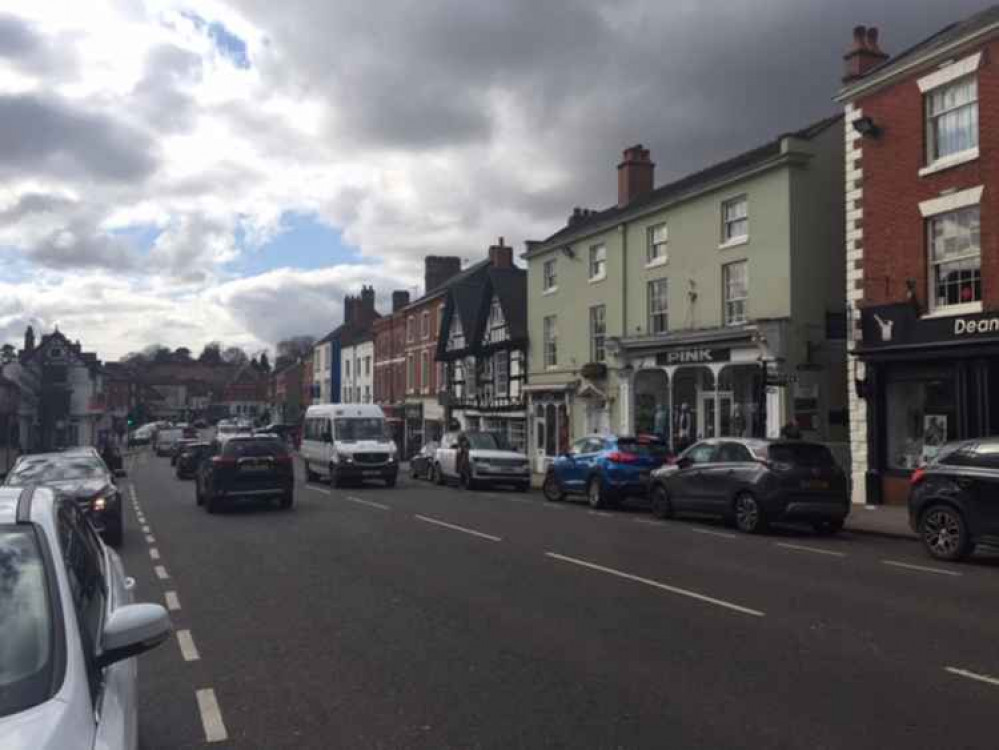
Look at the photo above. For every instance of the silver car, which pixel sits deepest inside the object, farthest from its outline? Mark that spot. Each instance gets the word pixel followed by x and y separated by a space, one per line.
pixel 68 630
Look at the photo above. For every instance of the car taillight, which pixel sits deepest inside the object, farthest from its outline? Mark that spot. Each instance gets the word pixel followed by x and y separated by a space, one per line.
pixel 917 476
pixel 283 460
pixel 618 457
pixel 223 460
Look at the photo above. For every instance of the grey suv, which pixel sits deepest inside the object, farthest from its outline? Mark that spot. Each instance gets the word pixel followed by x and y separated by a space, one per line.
pixel 69 630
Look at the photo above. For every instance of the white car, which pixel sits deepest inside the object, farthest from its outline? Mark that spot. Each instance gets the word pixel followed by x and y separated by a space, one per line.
pixel 68 630
pixel 480 458
pixel 348 442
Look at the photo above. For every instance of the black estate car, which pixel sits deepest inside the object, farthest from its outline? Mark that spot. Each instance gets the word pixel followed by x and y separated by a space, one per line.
pixel 246 467
pixel 191 454
pixel 754 482
pixel 954 499
pixel 79 474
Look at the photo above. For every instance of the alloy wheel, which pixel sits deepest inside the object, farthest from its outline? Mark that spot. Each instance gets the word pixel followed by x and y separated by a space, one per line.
pixel 748 516
pixel 943 533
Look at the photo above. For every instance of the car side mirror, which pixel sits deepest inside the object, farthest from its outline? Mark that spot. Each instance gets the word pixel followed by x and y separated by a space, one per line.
pixel 132 630
pixel 684 462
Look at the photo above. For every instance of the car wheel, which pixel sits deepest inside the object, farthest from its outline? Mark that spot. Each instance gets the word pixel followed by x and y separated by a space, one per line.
pixel 550 488
pixel 749 516
pixel 659 499
pixel 310 475
pixel 945 533
pixel 596 494
pixel 828 528
pixel 287 500
pixel 438 475
pixel 114 533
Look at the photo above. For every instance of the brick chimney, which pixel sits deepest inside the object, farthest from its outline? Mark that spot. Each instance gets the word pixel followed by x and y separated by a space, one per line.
pixel 400 298
pixel 439 268
pixel 500 255
pixel 863 55
pixel 349 306
pixel 634 175
pixel 368 298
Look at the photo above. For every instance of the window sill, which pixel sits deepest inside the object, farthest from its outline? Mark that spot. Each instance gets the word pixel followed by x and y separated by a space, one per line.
pixel 734 242
pixel 550 290
pixel 597 279
pixel 658 262
pixel 951 310
pixel 962 157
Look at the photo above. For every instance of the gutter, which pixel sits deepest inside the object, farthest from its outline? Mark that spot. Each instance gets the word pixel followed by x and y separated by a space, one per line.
pixel 866 85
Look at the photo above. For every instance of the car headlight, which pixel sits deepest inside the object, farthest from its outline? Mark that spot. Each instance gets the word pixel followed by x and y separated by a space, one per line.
pixel 101 502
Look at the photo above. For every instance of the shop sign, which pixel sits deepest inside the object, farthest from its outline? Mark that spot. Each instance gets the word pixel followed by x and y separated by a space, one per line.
pixel 900 325
pixel 695 355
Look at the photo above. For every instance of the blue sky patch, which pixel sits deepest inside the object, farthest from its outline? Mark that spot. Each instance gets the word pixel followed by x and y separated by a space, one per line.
pixel 230 45
pixel 304 243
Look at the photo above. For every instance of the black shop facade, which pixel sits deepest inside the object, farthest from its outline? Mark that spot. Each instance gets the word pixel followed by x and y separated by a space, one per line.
pixel 926 380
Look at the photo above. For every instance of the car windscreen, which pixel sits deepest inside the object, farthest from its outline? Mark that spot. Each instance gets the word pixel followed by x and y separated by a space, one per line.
pixel 483 441
pixel 642 447
pixel 802 454
pixel 26 643
pixel 254 447
pixel 350 430
pixel 42 469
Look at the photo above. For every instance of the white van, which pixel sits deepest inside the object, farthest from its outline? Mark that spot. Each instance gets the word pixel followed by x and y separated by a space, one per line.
pixel 348 441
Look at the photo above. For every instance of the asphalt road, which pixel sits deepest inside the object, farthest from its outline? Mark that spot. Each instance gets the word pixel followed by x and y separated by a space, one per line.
pixel 426 617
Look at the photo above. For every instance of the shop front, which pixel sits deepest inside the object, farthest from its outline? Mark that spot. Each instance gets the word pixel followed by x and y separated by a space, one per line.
pixel 926 381
pixel 549 422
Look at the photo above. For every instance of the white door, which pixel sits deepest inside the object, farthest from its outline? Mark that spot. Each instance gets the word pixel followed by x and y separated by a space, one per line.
pixel 714 422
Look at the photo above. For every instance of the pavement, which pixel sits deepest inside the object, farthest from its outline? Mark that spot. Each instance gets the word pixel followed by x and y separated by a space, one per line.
pixel 885 520
pixel 429 617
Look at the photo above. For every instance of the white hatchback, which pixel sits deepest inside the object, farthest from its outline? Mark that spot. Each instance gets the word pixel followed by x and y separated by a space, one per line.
pixel 68 630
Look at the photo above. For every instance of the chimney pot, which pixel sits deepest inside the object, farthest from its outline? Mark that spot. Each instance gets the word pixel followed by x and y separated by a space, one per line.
pixel 864 54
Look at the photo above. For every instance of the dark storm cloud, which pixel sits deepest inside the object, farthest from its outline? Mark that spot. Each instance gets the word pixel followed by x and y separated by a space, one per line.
pixel 46 135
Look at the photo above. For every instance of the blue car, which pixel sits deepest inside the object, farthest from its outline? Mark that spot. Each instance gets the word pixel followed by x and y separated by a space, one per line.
pixel 605 468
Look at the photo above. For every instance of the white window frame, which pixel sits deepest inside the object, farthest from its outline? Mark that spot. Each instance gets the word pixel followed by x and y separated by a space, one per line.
pixel 934 161
pixel 662 313
pixel 549 280
pixel 598 339
pixel 656 253
pixel 957 308
pixel 728 238
pixel 728 301
pixel 598 262
pixel 549 341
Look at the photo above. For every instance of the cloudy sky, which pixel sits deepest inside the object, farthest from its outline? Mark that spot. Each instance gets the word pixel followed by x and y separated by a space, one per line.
pixel 176 172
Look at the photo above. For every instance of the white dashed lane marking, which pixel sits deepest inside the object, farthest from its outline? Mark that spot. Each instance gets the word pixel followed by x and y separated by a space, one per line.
pixel 150 539
pixel 154 553
pixel 211 716
pixel 172 602
pixel 464 530
pixel 658 585
pixel 973 675
pixel 161 572
pixel 709 532
pixel 370 503
pixel 187 648
pixel 921 568
pixel 815 550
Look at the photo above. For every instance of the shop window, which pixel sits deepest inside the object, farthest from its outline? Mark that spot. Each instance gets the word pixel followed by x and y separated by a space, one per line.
pixel 955 258
pixel 921 415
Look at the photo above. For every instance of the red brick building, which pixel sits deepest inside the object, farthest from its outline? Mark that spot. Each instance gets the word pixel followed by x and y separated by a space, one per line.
pixel 922 149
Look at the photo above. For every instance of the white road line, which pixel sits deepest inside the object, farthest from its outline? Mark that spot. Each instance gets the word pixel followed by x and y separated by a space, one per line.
pixel 187 648
pixel 145 529
pixel 973 675
pixel 923 568
pixel 658 585
pixel 603 513
pixel 317 488
pixel 554 506
pixel 161 572
pixel 517 499
pixel 722 534
pixel 172 602
pixel 372 503
pixel 154 553
pixel 473 532
pixel 648 521
pixel 803 548
pixel 150 539
pixel 211 716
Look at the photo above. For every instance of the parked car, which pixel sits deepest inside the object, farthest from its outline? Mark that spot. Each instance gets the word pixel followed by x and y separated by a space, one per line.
pixel 179 447
pixel 348 442
pixel 954 498
pixel 476 459
pixel 605 468
pixel 190 456
pixel 245 468
pixel 166 439
pixel 70 629
pixel 79 475
pixel 421 466
pixel 755 482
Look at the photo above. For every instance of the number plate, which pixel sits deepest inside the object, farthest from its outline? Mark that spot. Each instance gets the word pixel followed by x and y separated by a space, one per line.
pixel 254 467
pixel 372 473
pixel 815 484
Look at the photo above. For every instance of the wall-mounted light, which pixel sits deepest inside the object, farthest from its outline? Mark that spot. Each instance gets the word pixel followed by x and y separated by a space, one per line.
pixel 866 127
pixel 568 252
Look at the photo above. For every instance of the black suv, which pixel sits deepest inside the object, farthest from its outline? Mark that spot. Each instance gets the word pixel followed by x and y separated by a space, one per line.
pixel 754 482
pixel 81 475
pixel 191 456
pixel 245 467
pixel 954 499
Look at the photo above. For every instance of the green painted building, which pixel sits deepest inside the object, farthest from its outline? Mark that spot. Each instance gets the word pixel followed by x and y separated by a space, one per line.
pixel 709 306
